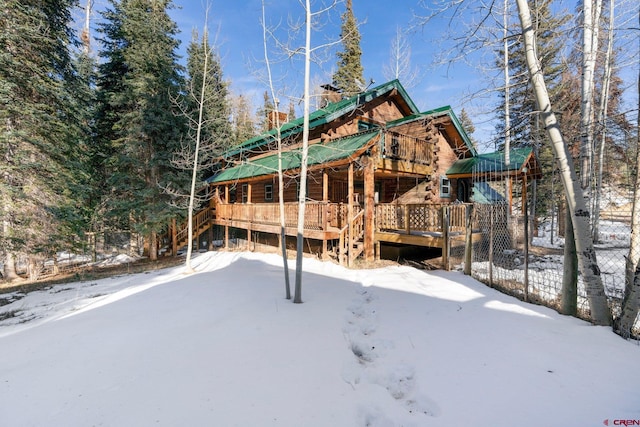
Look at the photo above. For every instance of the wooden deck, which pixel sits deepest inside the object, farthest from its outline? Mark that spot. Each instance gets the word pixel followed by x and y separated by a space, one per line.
pixel 431 225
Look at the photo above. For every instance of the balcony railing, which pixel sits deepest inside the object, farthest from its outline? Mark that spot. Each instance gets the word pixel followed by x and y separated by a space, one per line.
pixel 408 148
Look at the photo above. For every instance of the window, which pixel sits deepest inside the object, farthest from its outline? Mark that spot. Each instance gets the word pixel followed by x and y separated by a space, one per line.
pixel 268 192
pixel 445 187
pixel 245 193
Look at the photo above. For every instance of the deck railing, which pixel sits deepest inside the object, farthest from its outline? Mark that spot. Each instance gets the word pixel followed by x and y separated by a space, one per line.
pixel 425 217
pixel 318 215
pixel 419 217
pixel 402 147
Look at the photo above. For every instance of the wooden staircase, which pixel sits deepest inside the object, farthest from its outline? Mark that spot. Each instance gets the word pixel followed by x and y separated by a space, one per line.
pixel 178 234
pixel 351 242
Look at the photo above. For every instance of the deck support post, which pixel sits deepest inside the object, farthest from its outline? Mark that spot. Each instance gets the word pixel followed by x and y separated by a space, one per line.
pixel 249 187
pixel 525 211
pixel 369 209
pixel 210 236
pixel 226 222
pixel 325 222
pixel 350 217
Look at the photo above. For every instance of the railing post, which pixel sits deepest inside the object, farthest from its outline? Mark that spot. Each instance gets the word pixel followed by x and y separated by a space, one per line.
pixel 446 245
pixel 350 214
pixel 407 228
pixel 468 245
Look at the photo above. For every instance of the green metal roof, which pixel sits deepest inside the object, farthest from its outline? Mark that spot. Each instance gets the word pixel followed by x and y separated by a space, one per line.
pixel 325 115
pixel 441 111
pixel 491 162
pixel 318 153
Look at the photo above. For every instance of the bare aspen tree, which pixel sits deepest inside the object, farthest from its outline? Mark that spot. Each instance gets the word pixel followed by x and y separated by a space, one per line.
pixel 507 112
pixel 600 313
pixel 283 225
pixel 399 66
pixel 602 121
pixel 302 196
pixel 194 171
pixel 307 52
pixel 590 30
pixel 205 108
pixel 631 301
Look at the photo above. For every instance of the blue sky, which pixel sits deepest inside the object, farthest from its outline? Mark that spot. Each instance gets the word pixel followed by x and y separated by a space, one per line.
pixel 236 28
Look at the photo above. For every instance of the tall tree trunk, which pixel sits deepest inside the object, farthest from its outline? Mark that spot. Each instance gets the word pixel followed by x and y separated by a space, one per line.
pixel 600 313
pixel 194 171
pixel 297 298
pixel 631 300
pixel 569 295
pixel 507 104
pixel 283 221
pixel 10 272
pixel 153 246
pixel 602 121
pixel 591 21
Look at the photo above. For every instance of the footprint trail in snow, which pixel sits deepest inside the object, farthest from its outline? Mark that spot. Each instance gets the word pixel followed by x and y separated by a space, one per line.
pixel 376 367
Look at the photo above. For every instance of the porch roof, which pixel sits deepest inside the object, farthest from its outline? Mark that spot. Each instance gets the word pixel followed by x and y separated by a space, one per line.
pixel 494 164
pixel 332 151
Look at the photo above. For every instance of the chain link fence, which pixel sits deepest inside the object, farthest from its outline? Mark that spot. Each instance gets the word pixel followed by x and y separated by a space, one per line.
pixel 533 269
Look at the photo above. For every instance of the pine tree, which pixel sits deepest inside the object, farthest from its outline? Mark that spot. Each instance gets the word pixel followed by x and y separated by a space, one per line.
pixel 139 130
pixel 265 112
pixel 349 75
pixel 216 132
pixel 468 126
pixel 526 126
pixel 37 137
pixel 243 124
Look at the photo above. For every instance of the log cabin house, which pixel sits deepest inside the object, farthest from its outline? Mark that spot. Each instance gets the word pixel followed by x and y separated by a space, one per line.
pixel 380 171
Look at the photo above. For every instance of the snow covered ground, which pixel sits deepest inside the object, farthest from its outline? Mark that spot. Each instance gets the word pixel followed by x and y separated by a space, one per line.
pixel 388 347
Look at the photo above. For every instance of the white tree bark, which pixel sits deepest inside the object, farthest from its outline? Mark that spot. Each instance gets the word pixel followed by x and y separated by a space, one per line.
pixel 507 106
pixel 400 66
pixel 302 196
pixel 283 224
pixel 194 171
pixel 591 20
pixel 587 262
pixel 631 301
pixel 602 121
